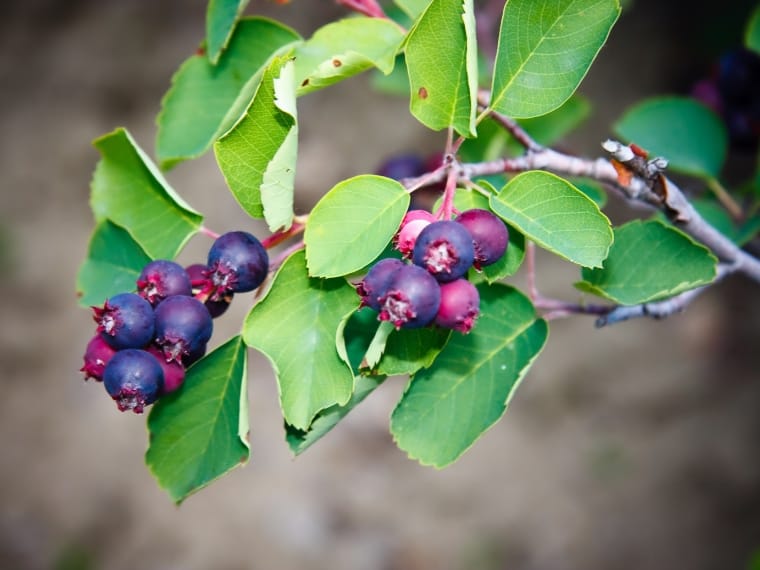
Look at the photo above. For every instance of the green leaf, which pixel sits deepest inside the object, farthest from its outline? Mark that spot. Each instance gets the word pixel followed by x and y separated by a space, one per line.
pixel 448 406
pixel 205 100
pixel 752 34
pixel 300 440
pixel 649 261
pixel 396 82
pixel 258 156
pixel 412 8
pixel 114 261
pixel 345 48
pixel 200 432
pixel 221 17
pixel 128 189
pixel 688 134
pixel 441 58
pixel 351 224
pixel 552 127
pixel 593 190
pixel 545 50
pixel 409 350
pixel 556 215
pixel 295 326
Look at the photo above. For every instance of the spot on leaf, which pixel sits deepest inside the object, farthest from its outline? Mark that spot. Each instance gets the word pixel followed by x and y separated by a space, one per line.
pixel 422 93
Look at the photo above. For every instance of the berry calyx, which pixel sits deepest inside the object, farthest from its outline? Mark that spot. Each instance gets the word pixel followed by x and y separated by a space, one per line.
pixel 460 306
pixel 125 321
pixel 445 249
pixel 375 283
pixel 162 278
pixel 238 263
pixel 174 372
pixel 490 236
pixel 97 354
pixel 202 286
pixel 412 298
pixel 183 325
pixel 134 379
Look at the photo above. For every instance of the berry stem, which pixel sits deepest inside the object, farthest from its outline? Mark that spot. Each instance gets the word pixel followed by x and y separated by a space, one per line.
pixel 208 232
pixel 280 259
pixel 722 195
pixel 367 7
pixel 277 238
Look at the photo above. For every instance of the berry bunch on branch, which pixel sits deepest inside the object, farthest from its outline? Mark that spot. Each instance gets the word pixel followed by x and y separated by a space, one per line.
pixel 404 272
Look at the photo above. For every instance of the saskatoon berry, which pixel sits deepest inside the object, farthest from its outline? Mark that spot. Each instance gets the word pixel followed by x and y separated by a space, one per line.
pixel 183 325
pixel 412 298
pixel 134 379
pixel 413 223
pixel 375 283
pixel 238 263
pixel 174 372
pixel 96 356
pixel 125 321
pixel 161 279
pixel 202 285
pixel 490 236
pixel 194 356
pixel 460 305
pixel 445 249
pixel 402 166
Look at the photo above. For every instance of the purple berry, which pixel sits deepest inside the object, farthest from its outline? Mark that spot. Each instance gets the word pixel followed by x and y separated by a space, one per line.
pixel 412 298
pixel 238 263
pixel 490 236
pixel 134 379
pixel 402 166
pixel 445 249
pixel 125 321
pixel 162 278
pixel 193 356
pixel 375 283
pixel 203 286
pixel 97 354
pixel 174 372
pixel 183 325
pixel 460 306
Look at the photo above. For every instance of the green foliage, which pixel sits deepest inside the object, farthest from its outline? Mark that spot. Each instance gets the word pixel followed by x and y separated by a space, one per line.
pixel 129 190
pixel 448 406
pixel 690 135
pixel 201 432
pixel 221 19
pixel 545 50
pixel 557 216
pixel 752 34
pixel 649 261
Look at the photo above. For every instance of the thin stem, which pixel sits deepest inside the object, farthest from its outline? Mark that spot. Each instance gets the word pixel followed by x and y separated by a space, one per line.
pixel 281 236
pixel 725 199
pixel 207 232
pixel 274 265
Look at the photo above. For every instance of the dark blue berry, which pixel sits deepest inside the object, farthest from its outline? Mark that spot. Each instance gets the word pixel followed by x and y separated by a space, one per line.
pixel 134 379
pixel 445 249
pixel 162 278
pixel 402 166
pixel 375 283
pixel 183 325
pixel 412 298
pixel 490 236
pixel 238 263
pixel 125 321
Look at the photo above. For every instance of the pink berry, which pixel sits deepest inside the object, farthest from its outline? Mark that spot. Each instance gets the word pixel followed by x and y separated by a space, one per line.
pixel 174 372
pixel 97 354
pixel 460 306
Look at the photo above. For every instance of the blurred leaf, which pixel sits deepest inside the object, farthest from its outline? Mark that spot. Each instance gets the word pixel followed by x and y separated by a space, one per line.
pixel 557 216
pixel 717 216
pixel 413 8
pixel 128 189
pixel 344 48
pixel 688 134
pixel 258 156
pixel 649 261
pixel 752 34
pixel 296 326
pixel 593 190
pixel 205 100
pixel 448 406
pixel 394 83
pixel 200 432
pixel 221 17
pixel 545 50
pixel 114 261
pixel 351 224
pixel 444 95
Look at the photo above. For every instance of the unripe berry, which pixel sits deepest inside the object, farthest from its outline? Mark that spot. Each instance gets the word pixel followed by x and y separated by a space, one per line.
pixel 375 283
pixel 445 249
pixel 490 236
pixel 134 379
pixel 460 306
pixel 97 354
pixel 406 237
pixel 183 325
pixel 125 321
pixel 412 298
pixel 162 278
pixel 238 263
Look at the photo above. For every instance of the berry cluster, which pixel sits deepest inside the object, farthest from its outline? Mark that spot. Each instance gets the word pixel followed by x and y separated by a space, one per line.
pixel 433 288
pixel 147 338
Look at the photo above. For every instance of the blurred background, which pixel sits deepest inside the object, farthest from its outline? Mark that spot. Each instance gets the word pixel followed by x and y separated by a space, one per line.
pixel 634 447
